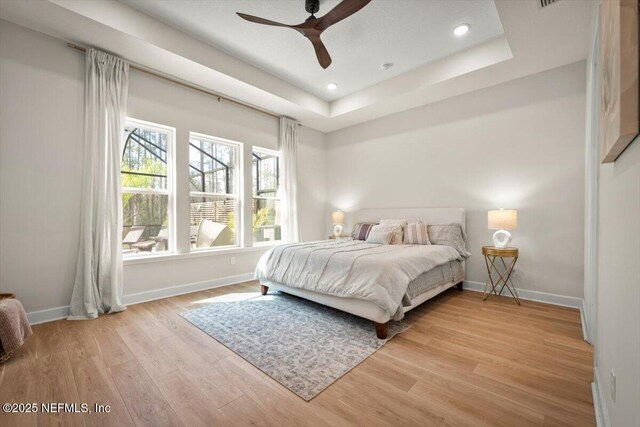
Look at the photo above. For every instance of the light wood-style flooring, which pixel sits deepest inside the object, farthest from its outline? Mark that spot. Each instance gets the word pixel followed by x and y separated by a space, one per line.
pixel 464 362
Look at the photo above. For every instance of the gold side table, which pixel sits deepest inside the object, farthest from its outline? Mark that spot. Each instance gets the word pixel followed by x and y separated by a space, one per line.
pixel 492 253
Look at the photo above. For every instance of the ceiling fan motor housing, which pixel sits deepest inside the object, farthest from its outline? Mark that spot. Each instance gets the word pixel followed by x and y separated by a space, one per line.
pixel 312 6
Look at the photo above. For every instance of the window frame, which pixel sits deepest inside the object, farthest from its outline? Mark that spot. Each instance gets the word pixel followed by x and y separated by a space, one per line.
pixel 237 195
pixel 277 154
pixel 169 191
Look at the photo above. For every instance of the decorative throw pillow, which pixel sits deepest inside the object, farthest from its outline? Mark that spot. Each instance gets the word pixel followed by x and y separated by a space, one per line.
pixel 449 235
pixel 395 229
pixel 416 233
pixel 401 222
pixel 361 230
pixel 380 237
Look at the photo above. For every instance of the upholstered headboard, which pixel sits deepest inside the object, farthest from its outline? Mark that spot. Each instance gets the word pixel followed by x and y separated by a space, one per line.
pixel 426 215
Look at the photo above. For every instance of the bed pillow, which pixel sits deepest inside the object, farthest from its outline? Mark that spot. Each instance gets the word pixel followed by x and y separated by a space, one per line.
pixel 449 235
pixel 395 229
pixel 401 222
pixel 416 233
pixel 380 237
pixel 361 230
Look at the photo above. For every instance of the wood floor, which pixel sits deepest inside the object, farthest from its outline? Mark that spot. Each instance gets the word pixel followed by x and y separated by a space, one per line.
pixel 464 362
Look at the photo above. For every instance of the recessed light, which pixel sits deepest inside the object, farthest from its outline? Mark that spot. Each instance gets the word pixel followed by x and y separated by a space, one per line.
pixel 332 86
pixel 461 30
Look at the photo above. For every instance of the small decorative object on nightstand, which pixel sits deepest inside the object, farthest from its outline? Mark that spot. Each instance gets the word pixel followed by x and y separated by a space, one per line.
pixel 492 253
pixel 502 220
pixel 338 221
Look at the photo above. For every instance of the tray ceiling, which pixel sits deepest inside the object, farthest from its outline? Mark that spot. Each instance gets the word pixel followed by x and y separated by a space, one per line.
pixel 407 33
pixel 529 39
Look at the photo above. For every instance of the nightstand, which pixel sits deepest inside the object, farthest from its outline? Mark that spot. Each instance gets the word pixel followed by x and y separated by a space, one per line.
pixel 491 254
pixel 332 237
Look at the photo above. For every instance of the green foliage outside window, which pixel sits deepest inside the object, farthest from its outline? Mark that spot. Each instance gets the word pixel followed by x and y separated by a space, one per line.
pixel 262 217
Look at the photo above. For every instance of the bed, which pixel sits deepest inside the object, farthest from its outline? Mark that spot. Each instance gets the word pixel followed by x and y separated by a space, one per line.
pixel 376 282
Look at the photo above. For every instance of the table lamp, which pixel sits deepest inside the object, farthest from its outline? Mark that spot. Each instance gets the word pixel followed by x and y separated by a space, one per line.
pixel 502 220
pixel 337 218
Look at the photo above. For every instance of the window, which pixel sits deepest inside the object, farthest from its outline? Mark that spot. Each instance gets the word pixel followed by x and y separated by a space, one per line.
pixel 214 177
pixel 146 188
pixel 266 196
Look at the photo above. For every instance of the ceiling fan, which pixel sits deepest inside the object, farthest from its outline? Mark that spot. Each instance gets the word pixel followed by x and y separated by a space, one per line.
pixel 313 27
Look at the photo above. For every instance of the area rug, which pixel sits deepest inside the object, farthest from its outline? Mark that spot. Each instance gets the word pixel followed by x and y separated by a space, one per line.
pixel 303 345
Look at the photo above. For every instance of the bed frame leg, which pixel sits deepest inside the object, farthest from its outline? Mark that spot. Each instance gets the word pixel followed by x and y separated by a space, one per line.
pixel 381 330
pixel 459 286
pixel 264 289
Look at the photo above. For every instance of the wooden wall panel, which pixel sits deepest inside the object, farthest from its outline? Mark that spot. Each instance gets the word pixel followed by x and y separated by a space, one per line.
pixel 618 77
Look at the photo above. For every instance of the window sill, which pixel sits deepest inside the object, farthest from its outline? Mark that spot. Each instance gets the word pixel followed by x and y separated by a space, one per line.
pixel 191 255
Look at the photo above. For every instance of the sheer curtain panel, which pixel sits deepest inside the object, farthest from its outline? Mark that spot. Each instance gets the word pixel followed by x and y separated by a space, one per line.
pixel 288 147
pixel 98 282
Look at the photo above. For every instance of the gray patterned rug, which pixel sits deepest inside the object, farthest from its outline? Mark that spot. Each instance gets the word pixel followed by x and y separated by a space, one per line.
pixel 303 345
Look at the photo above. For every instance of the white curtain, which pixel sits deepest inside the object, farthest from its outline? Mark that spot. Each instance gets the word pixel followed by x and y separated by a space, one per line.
pixel 288 146
pixel 98 283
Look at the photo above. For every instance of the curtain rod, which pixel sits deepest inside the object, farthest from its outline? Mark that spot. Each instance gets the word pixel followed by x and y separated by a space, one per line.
pixel 180 82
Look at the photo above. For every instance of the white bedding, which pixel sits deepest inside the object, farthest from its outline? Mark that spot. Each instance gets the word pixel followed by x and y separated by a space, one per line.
pixel 353 269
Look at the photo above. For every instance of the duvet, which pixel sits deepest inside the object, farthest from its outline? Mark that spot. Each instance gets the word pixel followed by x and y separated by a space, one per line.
pixel 353 269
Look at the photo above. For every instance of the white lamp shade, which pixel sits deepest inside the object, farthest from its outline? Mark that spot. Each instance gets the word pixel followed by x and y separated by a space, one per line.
pixel 502 219
pixel 338 217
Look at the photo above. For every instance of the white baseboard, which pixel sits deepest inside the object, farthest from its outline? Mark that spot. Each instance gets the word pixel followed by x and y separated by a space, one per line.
pixel 565 301
pixel 48 315
pixel 583 318
pixel 602 415
pixel 57 313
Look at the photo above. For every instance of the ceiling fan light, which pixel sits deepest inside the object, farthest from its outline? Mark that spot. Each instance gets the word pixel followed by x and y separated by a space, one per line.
pixel 461 30
pixel 332 86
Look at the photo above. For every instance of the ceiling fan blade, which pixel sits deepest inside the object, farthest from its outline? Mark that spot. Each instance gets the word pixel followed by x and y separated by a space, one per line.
pixel 263 21
pixel 321 52
pixel 343 10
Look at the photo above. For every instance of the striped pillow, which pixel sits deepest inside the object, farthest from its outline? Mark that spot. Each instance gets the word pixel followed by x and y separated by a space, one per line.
pixel 416 233
pixel 361 230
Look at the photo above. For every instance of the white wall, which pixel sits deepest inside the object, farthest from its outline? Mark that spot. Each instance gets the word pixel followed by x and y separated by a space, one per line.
pixel 618 298
pixel 41 112
pixel 41 116
pixel 516 145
